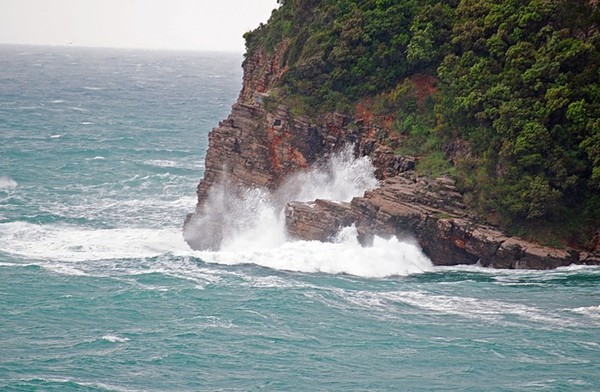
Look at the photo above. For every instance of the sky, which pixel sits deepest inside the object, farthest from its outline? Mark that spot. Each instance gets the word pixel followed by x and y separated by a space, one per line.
pixel 208 25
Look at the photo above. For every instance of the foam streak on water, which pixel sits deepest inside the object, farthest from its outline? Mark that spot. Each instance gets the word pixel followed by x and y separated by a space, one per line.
pixel 100 154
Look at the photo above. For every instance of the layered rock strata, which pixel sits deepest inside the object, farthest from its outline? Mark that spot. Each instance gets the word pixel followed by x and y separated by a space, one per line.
pixel 432 212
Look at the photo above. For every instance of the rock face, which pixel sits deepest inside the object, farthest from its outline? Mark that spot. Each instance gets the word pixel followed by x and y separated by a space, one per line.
pixel 262 71
pixel 256 147
pixel 433 213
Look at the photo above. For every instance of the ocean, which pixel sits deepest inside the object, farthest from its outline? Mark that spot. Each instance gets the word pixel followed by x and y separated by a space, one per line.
pixel 100 154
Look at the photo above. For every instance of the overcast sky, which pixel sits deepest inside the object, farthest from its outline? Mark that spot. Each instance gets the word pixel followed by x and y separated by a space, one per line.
pixel 159 24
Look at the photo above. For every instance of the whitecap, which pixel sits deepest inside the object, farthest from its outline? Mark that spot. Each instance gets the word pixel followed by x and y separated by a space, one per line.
pixel 161 163
pixel 7 183
pixel 86 123
pixel 87 385
pixel 165 163
pixel 78 109
pixel 57 101
pixel 64 269
pixel 69 244
pixel 55 136
pixel 481 309
pixel 590 311
pixel 7 264
pixel 115 339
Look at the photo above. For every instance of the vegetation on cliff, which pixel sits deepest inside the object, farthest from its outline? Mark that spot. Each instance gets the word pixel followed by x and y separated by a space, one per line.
pixel 516 112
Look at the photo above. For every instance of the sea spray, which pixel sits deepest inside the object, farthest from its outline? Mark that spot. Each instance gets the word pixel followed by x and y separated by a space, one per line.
pixel 249 226
pixel 234 219
pixel 345 255
pixel 341 178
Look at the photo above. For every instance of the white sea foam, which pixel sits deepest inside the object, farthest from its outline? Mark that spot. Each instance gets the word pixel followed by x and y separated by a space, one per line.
pixel 590 311
pixel 254 221
pixel 250 227
pixel 72 250
pixel 481 309
pixel 255 233
pixel 7 183
pixel 55 136
pixel 5 264
pixel 80 383
pixel 385 304
pixel 385 258
pixel 72 243
pixel 115 339
pixel 275 282
pixel 103 203
pixel 168 163
pixel 161 163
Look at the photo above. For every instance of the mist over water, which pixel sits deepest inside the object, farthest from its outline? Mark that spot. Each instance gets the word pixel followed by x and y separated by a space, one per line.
pixel 100 155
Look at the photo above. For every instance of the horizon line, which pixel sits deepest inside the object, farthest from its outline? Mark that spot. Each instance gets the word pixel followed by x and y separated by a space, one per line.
pixel 150 49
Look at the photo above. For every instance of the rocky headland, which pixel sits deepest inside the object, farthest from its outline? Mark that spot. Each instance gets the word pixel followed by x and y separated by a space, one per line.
pixel 262 142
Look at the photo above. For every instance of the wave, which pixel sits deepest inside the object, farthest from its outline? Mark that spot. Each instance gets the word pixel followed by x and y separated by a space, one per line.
pixel 74 243
pixel 249 228
pixel 67 249
pixel 477 308
pixel 164 163
pixel 52 382
pixel 253 224
pixel 115 339
pixel 7 183
pixel 590 311
pixel 392 304
pixel 253 219
pixel 343 256
pixel 94 206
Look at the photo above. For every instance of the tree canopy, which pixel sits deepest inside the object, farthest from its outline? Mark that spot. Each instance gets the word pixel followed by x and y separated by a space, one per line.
pixel 519 84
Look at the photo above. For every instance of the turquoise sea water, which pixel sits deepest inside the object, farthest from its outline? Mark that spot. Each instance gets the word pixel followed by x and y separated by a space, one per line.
pixel 100 154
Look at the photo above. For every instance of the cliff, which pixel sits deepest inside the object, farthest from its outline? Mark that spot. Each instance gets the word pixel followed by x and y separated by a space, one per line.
pixel 432 212
pixel 259 145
